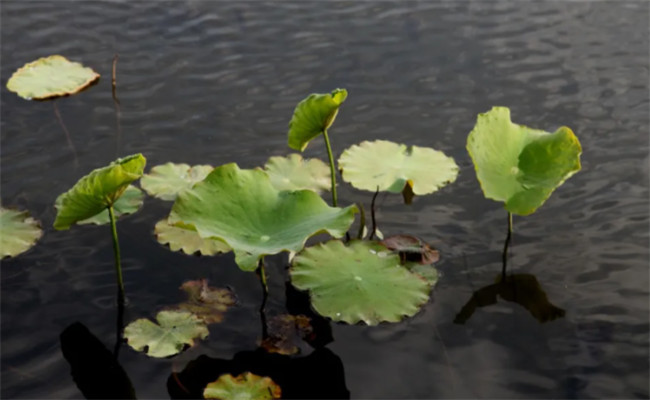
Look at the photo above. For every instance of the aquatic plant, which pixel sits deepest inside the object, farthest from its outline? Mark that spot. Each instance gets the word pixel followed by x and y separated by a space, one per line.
pixel 19 232
pixel 243 386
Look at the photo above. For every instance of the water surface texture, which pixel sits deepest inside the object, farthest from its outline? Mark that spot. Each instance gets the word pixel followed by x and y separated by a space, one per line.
pixel 216 82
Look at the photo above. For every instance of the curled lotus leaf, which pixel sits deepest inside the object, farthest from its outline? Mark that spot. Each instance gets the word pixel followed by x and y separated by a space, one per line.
pixel 167 180
pixel 243 209
pixel 363 281
pixel 517 165
pixel 18 232
pixel 130 202
pixel 182 237
pixel 397 168
pixel 246 386
pixel 312 116
pixel 50 77
pixel 98 190
pixel 295 173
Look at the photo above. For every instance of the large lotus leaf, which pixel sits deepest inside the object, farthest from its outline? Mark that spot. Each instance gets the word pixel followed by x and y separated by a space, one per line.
pixel 167 180
pixel 174 331
pixel 242 208
pixel 395 167
pixel 130 202
pixel 49 77
pixel 186 239
pixel 18 232
pixel 97 190
pixel 294 173
pixel 312 116
pixel 246 386
pixel 519 165
pixel 362 281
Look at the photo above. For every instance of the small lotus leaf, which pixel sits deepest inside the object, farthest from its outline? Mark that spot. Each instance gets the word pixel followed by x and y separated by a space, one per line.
pixel 519 165
pixel 242 208
pixel 246 386
pixel 428 272
pixel 50 77
pixel 186 239
pixel 207 303
pixel 294 173
pixel 96 191
pixel 285 332
pixel 312 116
pixel 130 202
pixel 397 168
pixel 18 232
pixel 363 281
pixel 167 180
pixel 174 331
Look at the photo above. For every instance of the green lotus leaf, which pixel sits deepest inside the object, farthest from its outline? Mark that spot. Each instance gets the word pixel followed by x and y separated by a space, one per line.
pixel 18 232
pixel 206 302
pixel 186 239
pixel 397 168
pixel 294 173
pixel 167 180
pixel 98 190
pixel 246 386
pixel 362 281
pixel 312 116
pixel 130 202
pixel 519 165
pixel 174 331
pixel 50 77
pixel 243 209
pixel 428 272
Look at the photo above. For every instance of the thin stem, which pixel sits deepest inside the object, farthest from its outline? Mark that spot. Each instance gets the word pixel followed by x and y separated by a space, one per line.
pixel 116 252
pixel 65 130
pixel 261 273
pixel 504 256
pixel 119 326
pixel 372 214
pixel 332 168
pixel 362 221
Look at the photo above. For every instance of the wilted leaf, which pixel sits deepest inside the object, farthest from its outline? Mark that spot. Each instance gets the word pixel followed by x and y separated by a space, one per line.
pixel 207 303
pixel 285 333
pixel 246 386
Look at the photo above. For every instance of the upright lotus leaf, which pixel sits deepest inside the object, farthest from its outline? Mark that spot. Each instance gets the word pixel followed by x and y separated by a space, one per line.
pixel 167 180
pixel 206 302
pixel 246 386
pixel 130 202
pixel 519 165
pixel 312 116
pixel 243 209
pixel 186 239
pixel 362 281
pixel 174 331
pixel 50 77
pixel 98 190
pixel 397 168
pixel 18 232
pixel 294 173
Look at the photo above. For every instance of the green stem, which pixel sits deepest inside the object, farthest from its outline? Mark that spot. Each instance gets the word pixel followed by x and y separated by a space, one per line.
pixel 332 168
pixel 116 252
pixel 504 256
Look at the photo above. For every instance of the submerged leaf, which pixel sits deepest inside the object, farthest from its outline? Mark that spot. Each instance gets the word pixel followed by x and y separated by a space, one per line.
pixel 242 208
pixel 207 303
pixel 519 165
pixel 186 239
pixel 285 332
pixel 312 116
pixel 49 77
pixel 294 173
pixel 246 386
pixel 167 180
pixel 130 202
pixel 18 232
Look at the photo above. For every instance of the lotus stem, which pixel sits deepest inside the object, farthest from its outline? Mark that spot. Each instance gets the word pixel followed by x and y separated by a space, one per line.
pixel 372 214
pixel 116 252
pixel 261 272
pixel 332 168
pixel 504 256
pixel 362 221
pixel 120 327
pixel 65 130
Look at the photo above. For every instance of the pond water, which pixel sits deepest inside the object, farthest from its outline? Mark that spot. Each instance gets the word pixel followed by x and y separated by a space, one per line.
pixel 216 82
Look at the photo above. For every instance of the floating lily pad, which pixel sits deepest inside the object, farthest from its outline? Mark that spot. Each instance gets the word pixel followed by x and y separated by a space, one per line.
pixel 130 202
pixel 411 249
pixel 363 281
pixel 285 333
pixel 312 116
pixel 167 180
pixel 175 330
pixel 186 239
pixel 50 77
pixel 96 191
pixel 18 232
pixel 519 165
pixel 428 272
pixel 242 208
pixel 246 386
pixel 294 173
pixel 207 303
pixel 397 168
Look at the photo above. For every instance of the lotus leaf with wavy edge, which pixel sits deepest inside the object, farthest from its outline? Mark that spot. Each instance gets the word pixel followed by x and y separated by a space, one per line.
pixel 167 180
pixel 18 232
pixel 295 173
pixel 244 386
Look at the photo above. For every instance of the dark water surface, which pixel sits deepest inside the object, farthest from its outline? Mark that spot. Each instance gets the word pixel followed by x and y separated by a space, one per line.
pixel 216 82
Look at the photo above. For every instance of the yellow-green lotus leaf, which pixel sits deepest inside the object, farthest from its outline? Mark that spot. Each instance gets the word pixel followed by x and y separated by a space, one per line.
pixel 130 202
pixel 295 173
pixel 167 180
pixel 246 386
pixel 312 116
pixel 18 232
pixel 182 237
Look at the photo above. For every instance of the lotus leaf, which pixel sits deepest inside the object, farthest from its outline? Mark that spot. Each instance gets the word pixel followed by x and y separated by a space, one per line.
pixel 49 77
pixel 207 303
pixel 186 239
pixel 362 281
pixel 18 232
pixel 246 386
pixel 242 208
pixel 167 180
pixel 519 165
pixel 428 272
pixel 411 248
pixel 397 168
pixel 312 116
pixel 294 173
pixel 174 331
pixel 130 202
